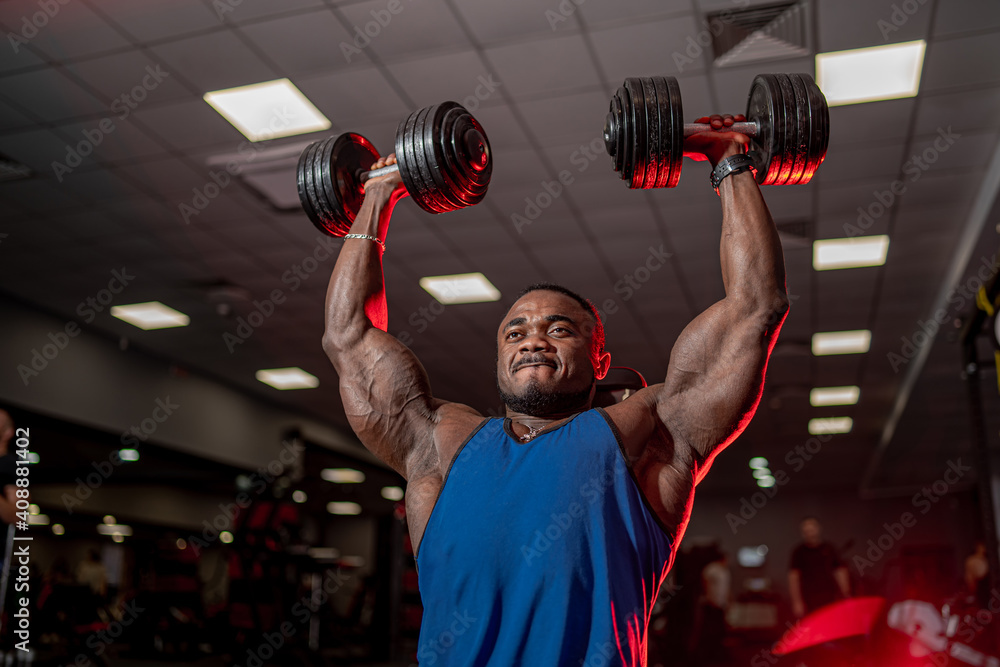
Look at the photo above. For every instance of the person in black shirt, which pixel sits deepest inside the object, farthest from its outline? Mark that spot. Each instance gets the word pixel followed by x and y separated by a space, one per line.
pixel 816 575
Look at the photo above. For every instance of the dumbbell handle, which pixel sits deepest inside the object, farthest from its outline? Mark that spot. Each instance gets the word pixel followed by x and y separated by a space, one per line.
pixel 375 173
pixel 748 128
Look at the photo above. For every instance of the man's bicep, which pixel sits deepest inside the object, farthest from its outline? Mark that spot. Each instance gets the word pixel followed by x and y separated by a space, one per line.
pixel 387 397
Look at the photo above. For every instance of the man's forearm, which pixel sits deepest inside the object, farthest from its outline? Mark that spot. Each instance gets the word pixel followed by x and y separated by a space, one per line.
pixel 355 299
pixel 753 269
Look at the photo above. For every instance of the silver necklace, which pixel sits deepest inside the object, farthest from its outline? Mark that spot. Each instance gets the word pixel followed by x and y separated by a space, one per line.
pixel 532 432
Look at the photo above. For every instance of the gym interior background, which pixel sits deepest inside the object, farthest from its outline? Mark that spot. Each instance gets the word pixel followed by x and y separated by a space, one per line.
pixel 223 510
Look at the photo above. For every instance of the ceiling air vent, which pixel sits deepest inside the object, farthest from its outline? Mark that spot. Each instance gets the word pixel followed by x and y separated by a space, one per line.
pixel 11 170
pixel 765 32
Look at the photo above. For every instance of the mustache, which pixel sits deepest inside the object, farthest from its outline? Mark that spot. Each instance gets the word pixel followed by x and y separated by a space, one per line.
pixel 533 359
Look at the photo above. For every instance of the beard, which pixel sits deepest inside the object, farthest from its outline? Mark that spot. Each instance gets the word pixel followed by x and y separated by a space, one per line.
pixel 533 401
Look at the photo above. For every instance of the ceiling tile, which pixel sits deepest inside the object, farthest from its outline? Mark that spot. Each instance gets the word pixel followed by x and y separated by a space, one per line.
pixel 549 65
pixel 63 31
pixel 128 80
pixel 514 20
pixel 946 62
pixel 965 16
pixel 469 81
pixel 417 28
pixel 655 49
pixel 969 110
pixel 248 10
pixel 189 125
pixel 214 61
pixel 49 95
pixel 355 95
pixel 152 22
pixel 568 118
pixel 868 24
pixel 306 43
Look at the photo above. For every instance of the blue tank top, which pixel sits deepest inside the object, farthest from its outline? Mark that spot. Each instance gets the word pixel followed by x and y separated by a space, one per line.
pixel 542 553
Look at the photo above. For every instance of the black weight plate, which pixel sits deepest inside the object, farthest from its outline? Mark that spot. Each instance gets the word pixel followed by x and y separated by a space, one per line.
pixel 760 111
pixel 656 130
pixel 636 113
pixel 429 159
pixel 676 125
pixel 450 174
pixel 423 194
pixel 788 143
pixel 662 148
pixel 405 157
pixel 303 175
pixel 764 107
pixel 453 172
pixel 625 148
pixel 328 205
pixel 314 187
pixel 345 159
pixel 468 157
pixel 800 145
pixel 819 116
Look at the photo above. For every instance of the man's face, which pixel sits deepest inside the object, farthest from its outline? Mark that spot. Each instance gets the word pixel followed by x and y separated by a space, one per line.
pixel 811 531
pixel 545 364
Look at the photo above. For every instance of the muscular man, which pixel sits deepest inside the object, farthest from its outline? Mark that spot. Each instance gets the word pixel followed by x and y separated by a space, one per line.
pixel 542 538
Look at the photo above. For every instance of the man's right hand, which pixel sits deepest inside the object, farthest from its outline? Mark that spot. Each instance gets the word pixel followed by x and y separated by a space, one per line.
pixel 389 187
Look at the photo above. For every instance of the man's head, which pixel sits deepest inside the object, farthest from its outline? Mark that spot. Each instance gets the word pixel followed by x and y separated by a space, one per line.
pixel 6 430
pixel 550 352
pixel 812 531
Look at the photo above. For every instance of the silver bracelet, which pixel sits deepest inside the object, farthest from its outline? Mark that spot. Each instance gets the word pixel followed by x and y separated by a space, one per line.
pixel 366 236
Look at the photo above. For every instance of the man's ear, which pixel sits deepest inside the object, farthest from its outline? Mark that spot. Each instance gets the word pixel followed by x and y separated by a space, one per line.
pixel 602 365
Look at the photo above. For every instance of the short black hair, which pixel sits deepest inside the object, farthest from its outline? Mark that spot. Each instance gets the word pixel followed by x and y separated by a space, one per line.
pixel 597 335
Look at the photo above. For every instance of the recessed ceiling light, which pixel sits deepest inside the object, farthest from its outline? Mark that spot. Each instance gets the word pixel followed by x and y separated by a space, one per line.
pixel 871 74
pixel 114 529
pixel 226 537
pixel 761 473
pixel 841 342
pixel 460 288
pixel 821 396
pixel 392 493
pixel 758 462
pixel 288 378
pixel 766 482
pixel 58 529
pixel 109 520
pixel 343 508
pixel 342 475
pixel 150 315
pixel 850 253
pixel 823 425
pixel 299 496
pixel 268 110
pixel 128 454
pixel 38 520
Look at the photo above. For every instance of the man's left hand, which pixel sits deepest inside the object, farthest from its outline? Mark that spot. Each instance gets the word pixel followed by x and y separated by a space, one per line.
pixel 715 145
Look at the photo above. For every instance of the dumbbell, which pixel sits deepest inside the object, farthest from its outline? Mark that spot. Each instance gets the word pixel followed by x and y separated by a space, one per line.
pixel 788 123
pixel 442 155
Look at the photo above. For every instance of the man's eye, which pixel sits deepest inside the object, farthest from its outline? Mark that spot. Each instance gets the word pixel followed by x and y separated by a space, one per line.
pixel 512 334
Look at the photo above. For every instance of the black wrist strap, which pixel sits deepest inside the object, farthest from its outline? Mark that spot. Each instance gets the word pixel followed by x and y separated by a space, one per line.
pixel 734 164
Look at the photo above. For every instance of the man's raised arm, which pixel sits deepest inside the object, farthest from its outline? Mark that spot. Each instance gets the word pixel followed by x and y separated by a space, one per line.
pixel 384 388
pixel 716 372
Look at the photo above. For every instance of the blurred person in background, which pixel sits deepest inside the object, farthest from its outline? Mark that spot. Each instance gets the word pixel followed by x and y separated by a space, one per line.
pixel 817 576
